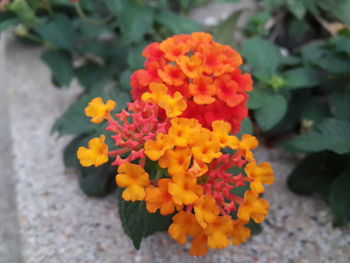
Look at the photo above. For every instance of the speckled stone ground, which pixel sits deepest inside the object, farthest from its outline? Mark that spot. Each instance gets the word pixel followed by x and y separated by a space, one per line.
pixel 58 223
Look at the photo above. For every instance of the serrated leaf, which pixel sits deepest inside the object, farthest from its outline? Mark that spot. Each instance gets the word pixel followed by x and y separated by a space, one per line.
pixel 262 56
pixel 272 111
pixel 59 32
pixel 301 78
pixel 315 173
pixel 60 63
pixel 138 223
pixel 340 105
pixel 331 134
pixel 340 198
pixel 177 24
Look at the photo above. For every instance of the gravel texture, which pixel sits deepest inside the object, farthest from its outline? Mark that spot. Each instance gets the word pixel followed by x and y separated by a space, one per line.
pixel 58 223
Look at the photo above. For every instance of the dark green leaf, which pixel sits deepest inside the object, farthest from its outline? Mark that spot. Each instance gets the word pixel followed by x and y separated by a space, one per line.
pixel 262 56
pixel 331 134
pixel 315 111
pixel 177 24
pixel 7 19
pixel 256 98
pixel 340 198
pixel 98 181
pixel 272 111
pixel 342 44
pixel 334 63
pixel 59 32
pixel 255 228
pixel 135 58
pixel 92 76
pixel 23 10
pixel 246 127
pixel 297 7
pixel 135 22
pixel 340 105
pixel 116 7
pixel 138 223
pixel 301 78
pixel 313 52
pixel 315 173
pixel 60 63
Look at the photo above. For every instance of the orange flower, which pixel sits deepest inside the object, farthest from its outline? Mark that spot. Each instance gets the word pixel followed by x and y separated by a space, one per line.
pixel 198 168
pixel 184 224
pixel 159 198
pixel 173 105
pixel 158 90
pixel 199 246
pixel 99 111
pixel 172 75
pixel 260 174
pixel 218 232
pixel 135 179
pixel 184 189
pixel 245 145
pixel 176 160
pixel 96 154
pixel 253 207
pixel 202 89
pixel 206 146
pixel 240 233
pixel 222 129
pixel 228 91
pixel 172 49
pixel 191 66
pixel 182 130
pixel 206 210
pixel 155 149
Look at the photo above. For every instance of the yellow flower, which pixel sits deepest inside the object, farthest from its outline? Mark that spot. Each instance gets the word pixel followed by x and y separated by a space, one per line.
pixel 184 189
pixel 158 90
pixel 182 130
pixel 176 160
pixel 199 246
pixel 206 146
pixel 247 143
pixel 253 207
pixel 96 154
pixel 222 129
pixel 260 174
pixel 206 210
pixel 99 111
pixel 135 179
pixel 155 149
pixel 184 224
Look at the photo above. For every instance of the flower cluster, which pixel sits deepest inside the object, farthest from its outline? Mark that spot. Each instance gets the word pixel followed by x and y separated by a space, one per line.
pixel 188 104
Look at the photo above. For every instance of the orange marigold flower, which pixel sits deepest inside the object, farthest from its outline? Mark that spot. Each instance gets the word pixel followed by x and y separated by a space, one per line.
pixel 260 174
pixel 245 145
pixel 155 149
pixel 96 154
pixel 172 75
pixel 159 198
pixel 184 224
pixel 176 160
pixel 253 207
pixel 206 146
pixel 184 189
pixel 218 232
pixel 221 129
pixel 99 111
pixel 206 210
pixel 240 233
pixel 202 89
pixel 135 179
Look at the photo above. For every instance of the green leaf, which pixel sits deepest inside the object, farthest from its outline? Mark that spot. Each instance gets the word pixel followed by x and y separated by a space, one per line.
pixel 246 127
pixel 177 24
pixel 340 198
pixel 116 7
pixel 315 173
pixel 60 63
pixel 23 10
pixel 7 19
pixel 138 223
pixel 297 7
pixel 331 134
pixel 92 76
pixel 334 63
pixel 224 31
pixel 313 52
pixel 315 111
pixel 135 58
pixel 70 151
pixel 59 32
pixel 340 105
pixel 256 98
pixel 272 111
pixel 262 56
pixel 135 22
pixel 301 78
pixel 98 181
pixel 342 44
pixel 255 228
